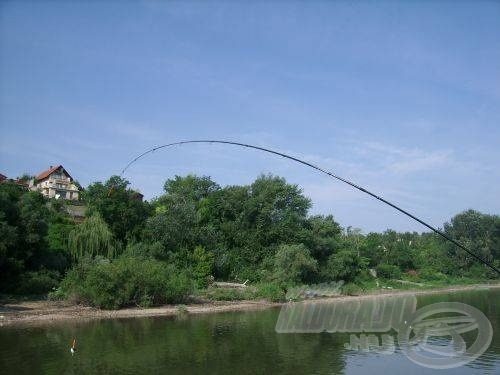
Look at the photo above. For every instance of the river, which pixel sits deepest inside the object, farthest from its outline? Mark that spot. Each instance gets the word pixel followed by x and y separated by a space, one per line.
pixel 226 343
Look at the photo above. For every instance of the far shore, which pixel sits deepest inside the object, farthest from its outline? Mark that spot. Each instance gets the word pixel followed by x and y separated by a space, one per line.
pixel 50 312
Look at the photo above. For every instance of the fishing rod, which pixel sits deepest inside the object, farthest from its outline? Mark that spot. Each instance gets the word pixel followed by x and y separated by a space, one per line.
pixel 352 184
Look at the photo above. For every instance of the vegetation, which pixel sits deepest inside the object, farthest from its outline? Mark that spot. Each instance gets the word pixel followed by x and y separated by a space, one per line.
pixel 125 281
pixel 91 237
pixel 129 252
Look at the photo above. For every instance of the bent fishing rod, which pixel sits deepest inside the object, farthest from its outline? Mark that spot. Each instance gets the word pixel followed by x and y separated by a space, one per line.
pixel 333 175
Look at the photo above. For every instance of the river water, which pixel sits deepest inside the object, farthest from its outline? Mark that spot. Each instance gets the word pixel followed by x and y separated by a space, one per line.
pixel 227 343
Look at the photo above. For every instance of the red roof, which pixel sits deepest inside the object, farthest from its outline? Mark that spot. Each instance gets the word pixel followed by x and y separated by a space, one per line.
pixel 49 171
pixel 2 177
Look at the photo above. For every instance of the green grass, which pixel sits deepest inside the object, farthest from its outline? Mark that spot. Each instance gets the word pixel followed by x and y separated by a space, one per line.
pixel 268 291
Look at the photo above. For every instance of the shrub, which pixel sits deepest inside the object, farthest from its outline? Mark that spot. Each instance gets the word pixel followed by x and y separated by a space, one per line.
pixel 388 271
pixel 179 286
pixel 431 274
pixel 351 289
pixel 153 250
pixel 344 265
pixel 412 275
pixel 227 294
pixel 38 282
pixel 270 291
pixel 293 264
pixel 203 266
pixel 126 281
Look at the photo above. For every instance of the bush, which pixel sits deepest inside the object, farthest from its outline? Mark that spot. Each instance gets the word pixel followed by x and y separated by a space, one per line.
pixel 179 286
pixel 153 250
pixel 271 292
pixel 293 264
pixel 227 294
pixel 203 266
pixel 412 274
pixel 344 265
pixel 388 271
pixel 126 281
pixel 433 275
pixel 38 282
pixel 351 290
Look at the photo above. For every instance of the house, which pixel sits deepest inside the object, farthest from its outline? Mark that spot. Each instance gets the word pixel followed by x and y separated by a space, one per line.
pixel 137 196
pixel 57 183
pixel 18 181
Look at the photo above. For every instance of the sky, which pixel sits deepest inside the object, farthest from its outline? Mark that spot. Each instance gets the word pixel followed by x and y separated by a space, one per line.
pixel 400 97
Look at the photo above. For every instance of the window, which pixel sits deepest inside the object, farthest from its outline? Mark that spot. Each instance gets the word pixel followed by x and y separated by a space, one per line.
pixel 61 193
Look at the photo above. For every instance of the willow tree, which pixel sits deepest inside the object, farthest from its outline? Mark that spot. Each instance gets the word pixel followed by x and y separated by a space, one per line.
pixel 92 237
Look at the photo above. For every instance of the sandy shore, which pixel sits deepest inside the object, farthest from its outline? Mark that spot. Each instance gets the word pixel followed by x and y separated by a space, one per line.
pixel 48 312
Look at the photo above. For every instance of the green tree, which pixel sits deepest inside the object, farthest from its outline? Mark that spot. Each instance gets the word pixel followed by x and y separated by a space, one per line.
pixel 478 232
pixel 118 205
pixel 191 187
pixel 92 237
pixel 24 222
pixel 344 265
pixel 203 265
pixel 322 236
pixel 293 264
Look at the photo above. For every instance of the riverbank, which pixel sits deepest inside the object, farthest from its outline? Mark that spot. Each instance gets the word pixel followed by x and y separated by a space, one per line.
pixel 48 312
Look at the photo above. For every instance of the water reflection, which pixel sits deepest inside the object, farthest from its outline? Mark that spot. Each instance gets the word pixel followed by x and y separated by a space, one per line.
pixel 229 343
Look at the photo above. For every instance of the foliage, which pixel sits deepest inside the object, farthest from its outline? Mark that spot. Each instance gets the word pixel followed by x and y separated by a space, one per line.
pixel 351 289
pixel 478 232
pixel 197 230
pixel 322 237
pixel 388 271
pixel 153 250
pixel 119 207
pixel 92 237
pixel 126 281
pixel 203 264
pixel 25 249
pixel 344 265
pixel 38 282
pixel 227 294
pixel 270 291
pixel 293 264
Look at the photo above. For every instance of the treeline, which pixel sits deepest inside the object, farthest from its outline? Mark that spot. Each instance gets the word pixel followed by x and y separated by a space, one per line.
pixel 147 253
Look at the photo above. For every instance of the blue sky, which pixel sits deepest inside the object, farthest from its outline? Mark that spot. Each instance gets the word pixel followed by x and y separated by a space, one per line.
pixel 400 97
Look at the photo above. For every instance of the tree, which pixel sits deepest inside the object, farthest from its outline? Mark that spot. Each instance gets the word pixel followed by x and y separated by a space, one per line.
pixel 276 210
pixel 203 265
pixel 117 205
pixel 293 264
pixel 175 226
pixel 191 187
pixel 345 265
pixel 24 222
pixel 478 232
pixel 92 237
pixel 322 236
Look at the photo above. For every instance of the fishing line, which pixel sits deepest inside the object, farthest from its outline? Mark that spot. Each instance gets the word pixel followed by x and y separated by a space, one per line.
pixel 360 188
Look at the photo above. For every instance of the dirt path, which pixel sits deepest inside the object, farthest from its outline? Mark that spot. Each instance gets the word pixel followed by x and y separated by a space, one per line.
pixel 47 312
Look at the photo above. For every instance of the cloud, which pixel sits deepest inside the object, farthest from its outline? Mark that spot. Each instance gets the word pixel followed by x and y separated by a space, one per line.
pixel 421 162
pixel 397 159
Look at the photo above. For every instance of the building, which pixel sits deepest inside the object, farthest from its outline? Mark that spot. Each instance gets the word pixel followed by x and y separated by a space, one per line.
pixel 57 183
pixel 137 196
pixel 18 181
